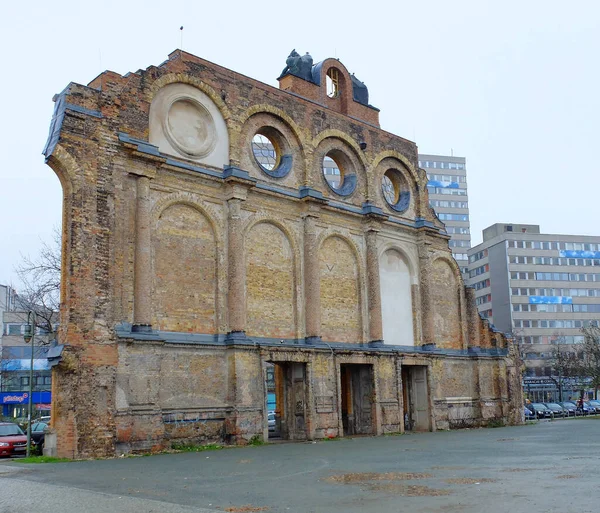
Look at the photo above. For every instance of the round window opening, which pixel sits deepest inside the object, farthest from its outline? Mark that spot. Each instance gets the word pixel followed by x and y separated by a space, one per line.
pixel 333 172
pixel 265 152
pixel 395 190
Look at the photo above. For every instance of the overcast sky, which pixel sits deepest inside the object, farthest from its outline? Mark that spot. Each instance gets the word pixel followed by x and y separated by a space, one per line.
pixel 512 86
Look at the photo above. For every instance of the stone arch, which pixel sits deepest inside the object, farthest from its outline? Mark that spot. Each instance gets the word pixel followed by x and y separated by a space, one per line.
pixel 285 133
pixel 397 302
pixel 277 112
pixel 332 141
pixel 389 160
pixel 65 166
pixel 270 256
pixel 185 268
pixel 187 119
pixel 191 200
pixel 183 78
pixel 446 303
pixel 341 285
pixel 398 156
pixel 338 134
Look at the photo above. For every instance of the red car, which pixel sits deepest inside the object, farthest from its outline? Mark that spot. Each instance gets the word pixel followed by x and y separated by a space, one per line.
pixel 13 441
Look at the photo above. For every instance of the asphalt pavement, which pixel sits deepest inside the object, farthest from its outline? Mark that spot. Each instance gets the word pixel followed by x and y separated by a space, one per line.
pixel 549 466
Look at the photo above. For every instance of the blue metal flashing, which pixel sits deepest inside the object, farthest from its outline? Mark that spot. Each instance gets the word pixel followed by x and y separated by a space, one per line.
pixel 308 192
pixel 83 110
pixel 236 172
pixel 142 146
pixel 348 208
pixel 123 331
pixel 403 202
pixel 267 187
pixel 350 182
pixel 282 170
pixel 420 222
pixel 189 167
pixel 56 124
pixel 348 186
pixel 369 208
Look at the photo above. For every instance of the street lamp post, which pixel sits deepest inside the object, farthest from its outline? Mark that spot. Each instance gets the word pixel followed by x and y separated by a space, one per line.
pixel 29 336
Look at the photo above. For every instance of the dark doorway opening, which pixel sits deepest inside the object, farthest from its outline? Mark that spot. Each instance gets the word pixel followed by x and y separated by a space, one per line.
pixel 357 399
pixel 286 400
pixel 415 398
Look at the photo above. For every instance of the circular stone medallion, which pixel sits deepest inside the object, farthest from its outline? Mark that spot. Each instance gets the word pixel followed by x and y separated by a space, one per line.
pixel 190 127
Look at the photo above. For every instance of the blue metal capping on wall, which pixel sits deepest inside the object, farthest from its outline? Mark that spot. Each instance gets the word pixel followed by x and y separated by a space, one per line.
pixel 302 192
pixel 83 110
pixel 124 331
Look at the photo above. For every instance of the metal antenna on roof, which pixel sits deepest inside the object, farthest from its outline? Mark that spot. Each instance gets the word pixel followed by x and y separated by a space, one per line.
pixel 181 41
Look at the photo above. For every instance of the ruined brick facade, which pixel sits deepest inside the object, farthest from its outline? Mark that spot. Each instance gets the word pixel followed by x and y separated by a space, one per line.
pixel 188 267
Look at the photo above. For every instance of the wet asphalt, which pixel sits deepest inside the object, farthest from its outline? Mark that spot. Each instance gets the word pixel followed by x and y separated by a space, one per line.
pixel 548 466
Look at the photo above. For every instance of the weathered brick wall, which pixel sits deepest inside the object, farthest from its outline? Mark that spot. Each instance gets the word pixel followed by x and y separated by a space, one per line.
pixel 270 283
pixel 193 255
pixel 340 297
pixel 185 264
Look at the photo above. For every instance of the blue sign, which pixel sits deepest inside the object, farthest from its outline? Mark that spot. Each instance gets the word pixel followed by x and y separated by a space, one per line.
pixel 23 397
pixel 550 300
pixel 579 254
pixel 445 185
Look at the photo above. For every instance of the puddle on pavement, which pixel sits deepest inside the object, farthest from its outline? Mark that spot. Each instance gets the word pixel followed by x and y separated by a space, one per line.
pixel 469 480
pixel 363 477
pixel 389 482
pixel 408 490
pixel 245 509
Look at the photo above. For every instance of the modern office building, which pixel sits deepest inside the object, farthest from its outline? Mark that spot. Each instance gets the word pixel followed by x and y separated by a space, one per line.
pixel 542 288
pixel 447 188
pixel 15 361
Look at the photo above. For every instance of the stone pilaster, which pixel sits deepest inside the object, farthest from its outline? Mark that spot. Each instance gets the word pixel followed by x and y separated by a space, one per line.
pixel 142 305
pixel 236 301
pixel 312 282
pixel 374 287
pixel 426 297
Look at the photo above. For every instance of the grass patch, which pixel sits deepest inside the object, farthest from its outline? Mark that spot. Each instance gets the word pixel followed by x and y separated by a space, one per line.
pixel 191 447
pixel 42 459
pixel 496 423
pixel 256 441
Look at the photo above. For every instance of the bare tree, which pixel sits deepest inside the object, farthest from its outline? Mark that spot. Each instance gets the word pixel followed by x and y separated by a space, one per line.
pixel 565 361
pixel 40 283
pixel 590 355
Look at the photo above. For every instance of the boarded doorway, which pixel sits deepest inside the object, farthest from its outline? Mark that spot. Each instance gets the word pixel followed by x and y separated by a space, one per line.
pixel 357 399
pixel 286 400
pixel 416 398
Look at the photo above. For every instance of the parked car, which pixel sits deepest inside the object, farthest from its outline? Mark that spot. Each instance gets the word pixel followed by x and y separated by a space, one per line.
pixel 591 408
pixel 529 415
pixel 569 407
pixel 38 435
pixel 595 404
pixel 557 409
pixel 541 410
pixel 13 442
pixel 572 404
pixel 271 421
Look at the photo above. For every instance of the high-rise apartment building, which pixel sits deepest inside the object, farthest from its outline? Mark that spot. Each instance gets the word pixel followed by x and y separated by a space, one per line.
pixel 447 188
pixel 542 288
